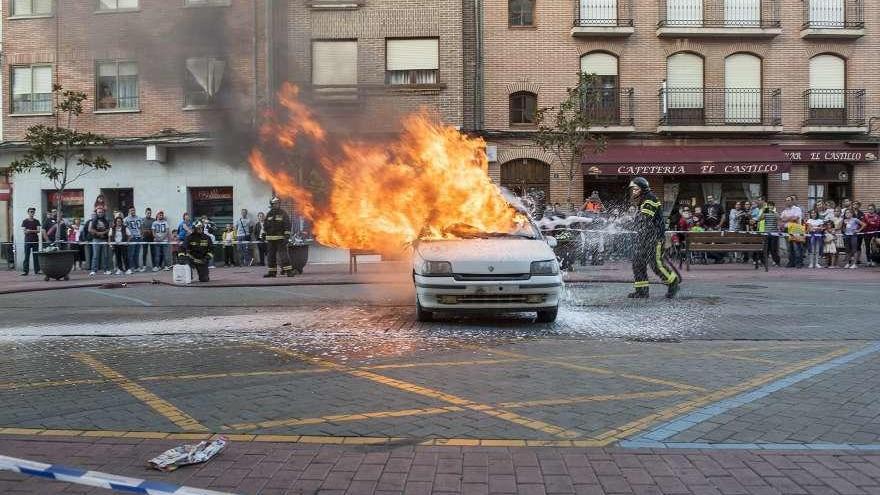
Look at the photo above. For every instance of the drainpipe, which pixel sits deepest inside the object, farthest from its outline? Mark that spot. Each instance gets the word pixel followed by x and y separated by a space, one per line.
pixel 270 52
pixel 478 71
pixel 256 43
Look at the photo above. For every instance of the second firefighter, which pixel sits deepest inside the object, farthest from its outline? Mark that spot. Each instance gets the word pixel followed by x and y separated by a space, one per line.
pixel 650 228
pixel 277 227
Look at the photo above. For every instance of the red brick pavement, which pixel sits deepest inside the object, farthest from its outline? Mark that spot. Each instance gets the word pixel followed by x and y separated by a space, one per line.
pixel 272 469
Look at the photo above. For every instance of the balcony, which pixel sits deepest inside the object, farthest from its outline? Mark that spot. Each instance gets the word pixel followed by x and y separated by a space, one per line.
pixel 720 110
pixel 610 110
pixel 719 19
pixel 833 19
pixel 834 111
pixel 603 18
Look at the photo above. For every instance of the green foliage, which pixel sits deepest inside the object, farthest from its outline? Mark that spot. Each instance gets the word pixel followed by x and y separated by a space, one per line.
pixel 61 153
pixel 564 130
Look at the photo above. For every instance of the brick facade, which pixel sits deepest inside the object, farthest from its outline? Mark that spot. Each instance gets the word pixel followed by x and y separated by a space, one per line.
pixel 545 59
pixel 160 35
pixel 378 107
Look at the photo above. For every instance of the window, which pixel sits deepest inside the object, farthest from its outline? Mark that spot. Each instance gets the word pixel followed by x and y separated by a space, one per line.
pixel 117 86
pixel 204 81
pixel 827 14
pixel 827 90
pixel 684 12
pixel 523 106
pixel 598 12
pixel 742 13
pixel 603 99
pixel 32 89
pixel 684 89
pixel 335 63
pixel 117 5
pixel 414 61
pixel 32 7
pixel 742 89
pixel 521 12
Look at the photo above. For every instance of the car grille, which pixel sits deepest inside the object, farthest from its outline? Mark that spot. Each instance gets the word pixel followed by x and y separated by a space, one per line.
pixel 482 277
pixel 494 299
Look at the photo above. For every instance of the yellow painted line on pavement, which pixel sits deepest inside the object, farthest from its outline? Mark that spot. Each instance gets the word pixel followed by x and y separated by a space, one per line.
pixel 344 417
pixel 638 425
pixel 475 362
pixel 600 371
pixel 594 398
pixel 436 394
pixel 159 405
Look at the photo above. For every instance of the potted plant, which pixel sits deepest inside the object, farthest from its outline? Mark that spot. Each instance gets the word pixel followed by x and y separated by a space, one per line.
pixel 63 155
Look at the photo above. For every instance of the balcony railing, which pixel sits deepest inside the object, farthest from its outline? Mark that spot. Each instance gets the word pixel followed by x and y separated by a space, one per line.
pixel 603 13
pixel 609 106
pixel 719 13
pixel 32 103
pixel 833 14
pixel 720 107
pixel 834 108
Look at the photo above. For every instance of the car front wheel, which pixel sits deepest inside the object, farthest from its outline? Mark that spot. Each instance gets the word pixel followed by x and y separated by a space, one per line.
pixel 548 315
pixel 421 313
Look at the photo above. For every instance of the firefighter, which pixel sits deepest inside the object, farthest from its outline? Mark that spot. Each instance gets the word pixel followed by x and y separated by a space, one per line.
pixel 650 227
pixel 199 249
pixel 277 226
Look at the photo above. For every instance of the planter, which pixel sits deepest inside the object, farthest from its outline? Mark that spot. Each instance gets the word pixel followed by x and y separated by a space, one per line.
pixel 299 256
pixel 57 264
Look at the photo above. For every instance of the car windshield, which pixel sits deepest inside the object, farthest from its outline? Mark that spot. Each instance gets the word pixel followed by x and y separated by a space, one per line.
pixel 465 231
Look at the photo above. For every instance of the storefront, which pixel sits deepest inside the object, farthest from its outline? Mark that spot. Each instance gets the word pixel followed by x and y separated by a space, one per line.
pixel 73 201
pixel 686 174
pixel 831 171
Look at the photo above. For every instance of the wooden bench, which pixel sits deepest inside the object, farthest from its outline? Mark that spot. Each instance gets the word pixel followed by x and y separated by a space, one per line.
pixel 352 258
pixel 725 242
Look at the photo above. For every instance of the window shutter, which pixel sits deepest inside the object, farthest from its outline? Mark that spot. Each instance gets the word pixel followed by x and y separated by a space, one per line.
pixel 601 64
pixel 684 70
pixel 684 12
pixel 107 69
pixel 742 70
pixel 334 63
pixel 422 54
pixel 827 72
pixel 827 13
pixel 42 80
pixel 742 79
pixel 742 12
pixel 599 11
pixel 128 69
pixel 21 81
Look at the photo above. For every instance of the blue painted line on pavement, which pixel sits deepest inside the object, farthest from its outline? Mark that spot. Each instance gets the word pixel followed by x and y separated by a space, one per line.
pixel 666 430
pixel 98 479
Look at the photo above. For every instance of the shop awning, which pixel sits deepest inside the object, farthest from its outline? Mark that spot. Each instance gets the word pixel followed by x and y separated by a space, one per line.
pixel 687 160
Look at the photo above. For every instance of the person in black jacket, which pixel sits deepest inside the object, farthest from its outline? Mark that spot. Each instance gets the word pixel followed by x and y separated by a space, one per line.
pixel 199 249
pixel 650 227
pixel 277 227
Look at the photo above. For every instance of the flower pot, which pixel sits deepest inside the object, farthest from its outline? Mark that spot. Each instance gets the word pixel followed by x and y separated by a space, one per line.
pixel 57 264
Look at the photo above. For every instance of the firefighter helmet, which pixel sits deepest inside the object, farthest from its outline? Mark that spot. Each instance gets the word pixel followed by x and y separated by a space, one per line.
pixel 274 201
pixel 641 183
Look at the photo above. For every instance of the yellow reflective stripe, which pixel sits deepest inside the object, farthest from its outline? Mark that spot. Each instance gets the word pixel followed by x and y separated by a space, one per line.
pixel 640 285
pixel 670 277
pixel 274 237
pixel 652 203
pixel 648 212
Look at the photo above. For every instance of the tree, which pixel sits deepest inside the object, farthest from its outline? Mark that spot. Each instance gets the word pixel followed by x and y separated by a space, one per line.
pixel 566 134
pixel 61 153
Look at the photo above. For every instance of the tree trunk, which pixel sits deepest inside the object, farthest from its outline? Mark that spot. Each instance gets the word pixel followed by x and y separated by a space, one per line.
pixel 59 215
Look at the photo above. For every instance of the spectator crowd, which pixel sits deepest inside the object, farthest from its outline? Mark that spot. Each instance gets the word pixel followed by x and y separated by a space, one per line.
pixel 118 243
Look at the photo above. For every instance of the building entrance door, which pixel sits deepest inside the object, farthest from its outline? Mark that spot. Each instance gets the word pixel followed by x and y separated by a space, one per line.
pixel 118 200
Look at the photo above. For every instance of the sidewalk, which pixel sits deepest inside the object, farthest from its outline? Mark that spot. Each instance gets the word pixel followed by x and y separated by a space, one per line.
pixel 397 272
pixel 251 468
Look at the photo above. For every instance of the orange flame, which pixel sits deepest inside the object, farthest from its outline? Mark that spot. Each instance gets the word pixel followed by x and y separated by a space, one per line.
pixel 383 196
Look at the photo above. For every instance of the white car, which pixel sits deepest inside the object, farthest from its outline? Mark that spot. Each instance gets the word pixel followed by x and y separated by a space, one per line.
pixel 488 272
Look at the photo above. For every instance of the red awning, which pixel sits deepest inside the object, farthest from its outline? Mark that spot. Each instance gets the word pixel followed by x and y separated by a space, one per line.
pixel 687 160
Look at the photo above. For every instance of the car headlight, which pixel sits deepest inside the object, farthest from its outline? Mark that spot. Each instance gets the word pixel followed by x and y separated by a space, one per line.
pixel 436 268
pixel 549 267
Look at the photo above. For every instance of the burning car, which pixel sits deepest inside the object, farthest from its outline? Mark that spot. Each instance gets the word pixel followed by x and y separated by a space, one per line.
pixel 494 272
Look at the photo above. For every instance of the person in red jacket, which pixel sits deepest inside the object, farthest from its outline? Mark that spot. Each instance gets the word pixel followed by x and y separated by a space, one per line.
pixel 872 226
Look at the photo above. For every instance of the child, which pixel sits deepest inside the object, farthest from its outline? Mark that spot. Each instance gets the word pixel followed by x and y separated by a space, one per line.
pixel 830 245
pixel 816 228
pixel 117 238
pixel 228 246
pixel 796 239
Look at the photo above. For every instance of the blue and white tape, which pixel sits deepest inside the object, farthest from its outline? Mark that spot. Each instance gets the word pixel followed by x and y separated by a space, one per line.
pixel 98 479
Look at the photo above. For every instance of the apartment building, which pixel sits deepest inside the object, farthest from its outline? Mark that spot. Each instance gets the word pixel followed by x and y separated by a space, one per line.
pixel 735 98
pixel 366 63
pixel 164 79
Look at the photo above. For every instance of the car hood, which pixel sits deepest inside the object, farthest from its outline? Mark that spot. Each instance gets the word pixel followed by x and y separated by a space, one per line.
pixel 486 256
